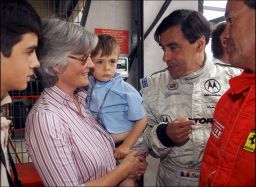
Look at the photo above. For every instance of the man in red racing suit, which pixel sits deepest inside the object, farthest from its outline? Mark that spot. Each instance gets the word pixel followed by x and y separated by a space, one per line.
pixel 229 159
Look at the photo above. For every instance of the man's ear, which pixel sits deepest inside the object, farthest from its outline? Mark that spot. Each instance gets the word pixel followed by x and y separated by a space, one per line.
pixel 201 43
pixel 224 42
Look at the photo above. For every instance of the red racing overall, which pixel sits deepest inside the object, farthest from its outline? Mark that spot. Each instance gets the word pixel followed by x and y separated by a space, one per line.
pixel 229 158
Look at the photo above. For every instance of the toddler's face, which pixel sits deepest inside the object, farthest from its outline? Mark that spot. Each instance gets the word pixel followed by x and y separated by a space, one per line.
pixel 105 66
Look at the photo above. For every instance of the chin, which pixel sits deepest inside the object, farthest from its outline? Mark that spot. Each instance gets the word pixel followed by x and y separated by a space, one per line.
pixel 106 80
pixel 234 61
pixel 21 87
pixel 85 83
pixel 103 80
pixel 174 74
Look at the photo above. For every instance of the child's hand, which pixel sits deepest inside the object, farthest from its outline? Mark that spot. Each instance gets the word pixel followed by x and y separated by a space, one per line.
pixel 121 151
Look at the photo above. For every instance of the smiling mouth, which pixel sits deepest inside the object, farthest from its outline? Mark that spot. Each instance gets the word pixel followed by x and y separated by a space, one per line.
pixel 85 74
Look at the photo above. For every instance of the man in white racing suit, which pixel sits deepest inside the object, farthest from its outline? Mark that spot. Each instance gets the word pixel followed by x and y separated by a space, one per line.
pixel 180 100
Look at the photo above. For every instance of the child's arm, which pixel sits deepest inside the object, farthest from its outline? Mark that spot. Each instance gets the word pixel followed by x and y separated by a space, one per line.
pixel 131 138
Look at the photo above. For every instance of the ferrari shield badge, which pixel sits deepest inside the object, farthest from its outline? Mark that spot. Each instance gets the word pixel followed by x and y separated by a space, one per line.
pixel 250 142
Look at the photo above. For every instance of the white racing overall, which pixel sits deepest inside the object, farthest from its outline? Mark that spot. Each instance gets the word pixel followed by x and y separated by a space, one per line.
pixel 193 97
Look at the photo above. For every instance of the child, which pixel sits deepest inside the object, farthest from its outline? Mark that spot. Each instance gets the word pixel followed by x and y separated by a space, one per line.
pixel 115 104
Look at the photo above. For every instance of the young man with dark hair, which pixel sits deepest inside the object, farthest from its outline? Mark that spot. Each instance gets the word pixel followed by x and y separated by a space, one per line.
pixel 20 31
pixel 229 158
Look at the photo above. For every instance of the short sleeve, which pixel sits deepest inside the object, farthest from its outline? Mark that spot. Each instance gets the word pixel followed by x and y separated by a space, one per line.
pixel 136 110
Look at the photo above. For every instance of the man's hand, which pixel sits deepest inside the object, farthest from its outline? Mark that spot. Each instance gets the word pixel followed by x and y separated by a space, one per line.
pixel 178 131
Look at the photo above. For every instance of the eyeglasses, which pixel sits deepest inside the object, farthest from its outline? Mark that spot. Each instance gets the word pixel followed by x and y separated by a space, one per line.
pixel 82 59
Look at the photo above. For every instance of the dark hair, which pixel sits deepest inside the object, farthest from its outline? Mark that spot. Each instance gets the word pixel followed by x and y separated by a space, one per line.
pixel 193 25
pixel 250 3
pixel 106 44
pixel 216 46
pixel 17 18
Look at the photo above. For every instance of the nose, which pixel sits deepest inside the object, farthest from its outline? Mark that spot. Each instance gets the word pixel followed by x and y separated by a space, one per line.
pixel 106 66
pixel 226 32
pixel 167 56
pixel 35 62
pixel 89 63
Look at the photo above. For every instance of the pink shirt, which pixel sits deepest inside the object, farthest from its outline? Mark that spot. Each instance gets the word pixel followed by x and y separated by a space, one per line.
pixel 66 147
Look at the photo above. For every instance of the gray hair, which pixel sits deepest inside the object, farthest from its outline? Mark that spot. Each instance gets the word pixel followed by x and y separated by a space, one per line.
pixel 60 39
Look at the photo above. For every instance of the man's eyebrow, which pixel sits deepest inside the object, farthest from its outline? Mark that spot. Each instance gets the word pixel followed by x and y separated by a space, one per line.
pixel 32 47
pixel 170 44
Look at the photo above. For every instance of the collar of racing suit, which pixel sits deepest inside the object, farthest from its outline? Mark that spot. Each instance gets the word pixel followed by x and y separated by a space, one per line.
pixel 196 75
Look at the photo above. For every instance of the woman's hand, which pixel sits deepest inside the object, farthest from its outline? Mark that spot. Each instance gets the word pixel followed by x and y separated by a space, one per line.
pixel 132 166
pixel 139 167
pixel 131 162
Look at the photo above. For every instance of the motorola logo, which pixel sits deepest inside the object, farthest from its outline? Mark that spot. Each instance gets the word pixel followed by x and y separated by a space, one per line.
pixel 212 86
pixel 202 120
pixel 166 118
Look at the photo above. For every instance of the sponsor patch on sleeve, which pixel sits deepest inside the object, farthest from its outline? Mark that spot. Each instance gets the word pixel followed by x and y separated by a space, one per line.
pixel 144 82
pixel 250 142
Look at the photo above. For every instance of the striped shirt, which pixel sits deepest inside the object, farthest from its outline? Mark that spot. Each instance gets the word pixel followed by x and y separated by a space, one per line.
pixel 68 148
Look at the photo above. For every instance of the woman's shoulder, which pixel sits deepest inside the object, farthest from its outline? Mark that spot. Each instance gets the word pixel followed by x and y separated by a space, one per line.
pixel 46 104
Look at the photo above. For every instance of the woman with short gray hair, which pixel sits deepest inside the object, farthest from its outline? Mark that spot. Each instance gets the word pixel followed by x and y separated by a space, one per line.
pixel 66 144
pixel 57 46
